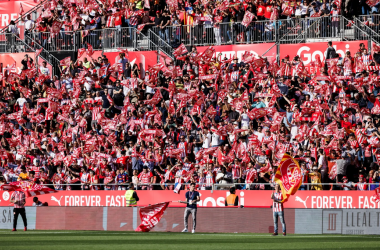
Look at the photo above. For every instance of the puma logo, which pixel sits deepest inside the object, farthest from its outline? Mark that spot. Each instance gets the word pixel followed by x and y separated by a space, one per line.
pixel 55 199
pixel 303 201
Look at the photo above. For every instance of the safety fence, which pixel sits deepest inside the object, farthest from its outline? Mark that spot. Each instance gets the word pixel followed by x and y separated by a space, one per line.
pixel 105 39
pixel 292 30
pixel 210 219
pixel 208 186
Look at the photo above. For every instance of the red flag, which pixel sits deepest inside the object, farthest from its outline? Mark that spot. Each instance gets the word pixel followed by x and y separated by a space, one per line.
pixel 287 11
pixel 12 67
pixel 140 27
pixel 55 28
pixel 248 16
pixel 81 52
pixel 151 215
pixel 38 51
pixel 146 4
pixel 375 48
pixel 90 50
pixel 288 176
pixel 377 194
pixel 65 62
pixel 372 3
pixel 125 51
pixel 333 171
pixel 29 188
pixel 180 50
pixel 21 9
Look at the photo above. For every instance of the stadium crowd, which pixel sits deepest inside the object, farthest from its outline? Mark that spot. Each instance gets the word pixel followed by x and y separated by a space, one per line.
pixel 206 119
pixel 212 21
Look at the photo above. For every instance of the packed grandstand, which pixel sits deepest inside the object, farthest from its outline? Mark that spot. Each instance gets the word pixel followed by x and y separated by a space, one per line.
pixel 217 121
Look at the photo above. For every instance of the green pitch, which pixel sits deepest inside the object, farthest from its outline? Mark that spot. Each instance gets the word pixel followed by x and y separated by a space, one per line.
pixel 70 240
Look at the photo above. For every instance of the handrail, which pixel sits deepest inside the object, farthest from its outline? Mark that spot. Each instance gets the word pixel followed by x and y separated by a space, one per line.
pixel 28 12
pixel 46 55
pixel 367 27
pixel 168 50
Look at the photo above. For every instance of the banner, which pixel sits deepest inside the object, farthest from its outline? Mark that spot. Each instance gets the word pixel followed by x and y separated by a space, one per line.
pixel 248 198
pixel 29 188
pixel 289 176
pixel 309 52
pixel 10 10
pixel 230 51
pixel 8 58
pixel 151 215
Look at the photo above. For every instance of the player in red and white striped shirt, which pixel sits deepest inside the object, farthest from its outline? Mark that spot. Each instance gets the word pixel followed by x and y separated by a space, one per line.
pixel 18 199
pixel 278 210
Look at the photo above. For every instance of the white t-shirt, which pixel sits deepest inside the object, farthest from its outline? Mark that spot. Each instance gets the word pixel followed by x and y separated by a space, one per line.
pixel 29 24
pixel 215 140
pixel 244 120
pixel 20 101
pixel 206 141
pixel 45 71
pixel 260 136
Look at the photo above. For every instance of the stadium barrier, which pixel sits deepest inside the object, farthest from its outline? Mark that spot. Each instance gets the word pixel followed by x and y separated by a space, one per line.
pixel 211 220
pixel 208 198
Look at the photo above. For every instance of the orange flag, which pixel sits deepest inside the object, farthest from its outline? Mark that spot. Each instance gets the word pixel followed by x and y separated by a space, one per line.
pixel 288 176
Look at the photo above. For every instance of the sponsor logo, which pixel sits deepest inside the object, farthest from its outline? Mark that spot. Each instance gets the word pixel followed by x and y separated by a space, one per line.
pixel 302 201
pixel 56 200
pixel 6 195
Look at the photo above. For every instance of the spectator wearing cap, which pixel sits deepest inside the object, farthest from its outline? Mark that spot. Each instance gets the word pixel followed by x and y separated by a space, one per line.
pixel 361 185
pixel 347 185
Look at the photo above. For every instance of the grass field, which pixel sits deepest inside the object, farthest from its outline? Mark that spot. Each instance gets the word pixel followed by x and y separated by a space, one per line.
pixel 70 240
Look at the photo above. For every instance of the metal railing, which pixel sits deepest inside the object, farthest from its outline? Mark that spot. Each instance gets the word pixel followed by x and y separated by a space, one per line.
pixel 110 38
pixel 216 186
pixel 161 44
pixel 45 54
pixel 63 41
pixel 367 31
pixel 372 21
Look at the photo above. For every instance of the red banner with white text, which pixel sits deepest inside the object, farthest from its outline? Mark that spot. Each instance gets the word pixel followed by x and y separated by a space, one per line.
pixel 150 216
pixel 248 198
pixel 10 10
pixel 309 52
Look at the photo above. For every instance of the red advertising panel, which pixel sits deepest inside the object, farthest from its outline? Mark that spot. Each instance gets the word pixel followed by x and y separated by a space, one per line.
pixel 10 10
pixel 9 58
pixel 256 49
pixel 253 220
pixel 250 198
pixel 308 52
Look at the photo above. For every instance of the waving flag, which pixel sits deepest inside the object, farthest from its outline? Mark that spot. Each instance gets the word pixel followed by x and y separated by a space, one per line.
pixel 288 176
pixel 38 51
pixel 65 62
pixel 151 215
pixel 21 9
pixel 29 188
pixel 377 194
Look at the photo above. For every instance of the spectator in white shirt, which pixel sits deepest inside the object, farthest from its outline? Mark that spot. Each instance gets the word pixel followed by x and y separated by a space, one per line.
pixel 206 138
pixel 21 101
pixel 259 133
pixel 44 69
pixel 214 139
